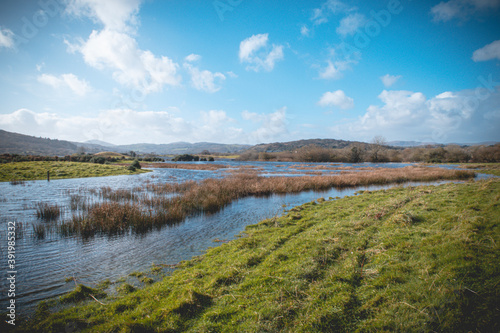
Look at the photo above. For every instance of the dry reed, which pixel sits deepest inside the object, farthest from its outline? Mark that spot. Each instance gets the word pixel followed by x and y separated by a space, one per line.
pixel 171 203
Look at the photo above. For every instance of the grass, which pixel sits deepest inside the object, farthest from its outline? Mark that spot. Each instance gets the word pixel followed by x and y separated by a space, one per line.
pixel 486 168
pixel 172 203
pixel 22 171
pixel 406 259
pixel 47 211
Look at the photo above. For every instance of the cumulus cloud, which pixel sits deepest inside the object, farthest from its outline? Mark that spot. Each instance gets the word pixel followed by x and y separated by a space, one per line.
pixel 350 24
pixel 450 116
pixel 71 81
pixel 389 80
pixel 488 52
pixel 130 66
pixel 114 49
pixel 272 126
pixel 193 57
pixel 6 38
pixel 204 80
pixel 461 9
pixel 336 98
pixel 118 15
pixel 125 126
pixel 256 52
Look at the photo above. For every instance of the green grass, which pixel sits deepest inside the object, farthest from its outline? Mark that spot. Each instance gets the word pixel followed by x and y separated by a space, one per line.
pixel 487 168
pixel 401 260
pixel 59 170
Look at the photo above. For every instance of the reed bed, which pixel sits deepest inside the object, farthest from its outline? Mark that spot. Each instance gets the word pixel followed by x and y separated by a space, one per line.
pixel 170 203
pixel 210 167
pixel 47 211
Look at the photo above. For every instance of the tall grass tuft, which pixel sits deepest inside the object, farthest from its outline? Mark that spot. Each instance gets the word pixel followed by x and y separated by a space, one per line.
pixel 46 211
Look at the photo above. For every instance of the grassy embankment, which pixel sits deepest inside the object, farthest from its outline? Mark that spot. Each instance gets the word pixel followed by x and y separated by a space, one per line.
pixel 171 203
pixel 22 171
pixel 487 168
pixel 406 259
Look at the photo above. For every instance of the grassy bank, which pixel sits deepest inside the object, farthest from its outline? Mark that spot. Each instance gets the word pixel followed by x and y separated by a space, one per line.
pixel 487 168
pixel 406 259
pixel 171 203
pixel 22 171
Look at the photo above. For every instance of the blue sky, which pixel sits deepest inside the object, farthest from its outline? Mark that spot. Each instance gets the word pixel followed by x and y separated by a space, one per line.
pixel 241 71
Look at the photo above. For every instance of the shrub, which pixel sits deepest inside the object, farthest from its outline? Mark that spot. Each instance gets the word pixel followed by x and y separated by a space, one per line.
pixel 136 164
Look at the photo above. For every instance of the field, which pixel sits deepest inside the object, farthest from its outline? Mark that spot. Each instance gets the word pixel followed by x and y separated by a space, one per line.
pixel 405 259
pixel 22 171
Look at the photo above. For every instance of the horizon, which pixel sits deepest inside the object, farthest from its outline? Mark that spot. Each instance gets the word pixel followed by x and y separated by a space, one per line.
pixel 239 72
pixel 389 143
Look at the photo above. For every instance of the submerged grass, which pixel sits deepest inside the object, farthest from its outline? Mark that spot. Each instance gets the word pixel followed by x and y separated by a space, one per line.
pixel 172 203
pixel 406 259
pixel 22 171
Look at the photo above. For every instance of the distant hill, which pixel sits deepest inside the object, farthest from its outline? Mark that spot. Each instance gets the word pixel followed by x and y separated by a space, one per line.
pixel 182 148
pixel 99 143
pixel 14 143
pixel 410 143
pixel 294 145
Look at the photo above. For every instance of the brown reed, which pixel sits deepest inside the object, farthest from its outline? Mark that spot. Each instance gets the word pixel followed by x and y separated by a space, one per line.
pixel 171 203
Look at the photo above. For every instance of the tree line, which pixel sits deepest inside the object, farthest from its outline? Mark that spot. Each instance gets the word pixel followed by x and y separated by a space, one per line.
pixel 382 153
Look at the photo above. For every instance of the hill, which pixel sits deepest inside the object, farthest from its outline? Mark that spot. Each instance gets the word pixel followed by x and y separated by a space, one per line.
pixel 294 145
pixel 182 148
pixel 14 143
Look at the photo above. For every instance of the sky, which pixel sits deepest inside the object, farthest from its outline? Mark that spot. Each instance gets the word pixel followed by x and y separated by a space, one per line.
pixel 251 71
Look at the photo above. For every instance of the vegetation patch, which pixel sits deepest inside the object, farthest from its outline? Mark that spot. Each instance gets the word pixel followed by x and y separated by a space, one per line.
pixel 21 171
pixel 406 259
pixel 170 203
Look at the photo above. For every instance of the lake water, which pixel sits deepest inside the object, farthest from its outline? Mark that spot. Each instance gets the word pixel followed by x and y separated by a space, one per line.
pixel 43 264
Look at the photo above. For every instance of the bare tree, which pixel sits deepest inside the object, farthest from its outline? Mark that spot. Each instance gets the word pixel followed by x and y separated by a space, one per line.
pixel 378 142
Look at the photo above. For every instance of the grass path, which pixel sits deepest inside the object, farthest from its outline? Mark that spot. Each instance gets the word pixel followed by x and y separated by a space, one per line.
pixel 22 171
pixel 405 259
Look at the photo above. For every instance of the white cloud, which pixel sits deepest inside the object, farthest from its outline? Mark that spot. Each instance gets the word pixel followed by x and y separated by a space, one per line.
pixel 71 81
pixel 321 14
pixel 462 9
pixel 450 116
pixel 204 80
pixel 117 15
pixel 389 80
pixel 114 49
pixel 350 24
pixel 273 126
pixel 304 31
pixel 125 126
pixel 336 98
pixel 340 60
pixel 488 52
pixel 193 57
pixel 6 38
pixel 256 52
pixel 131 67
